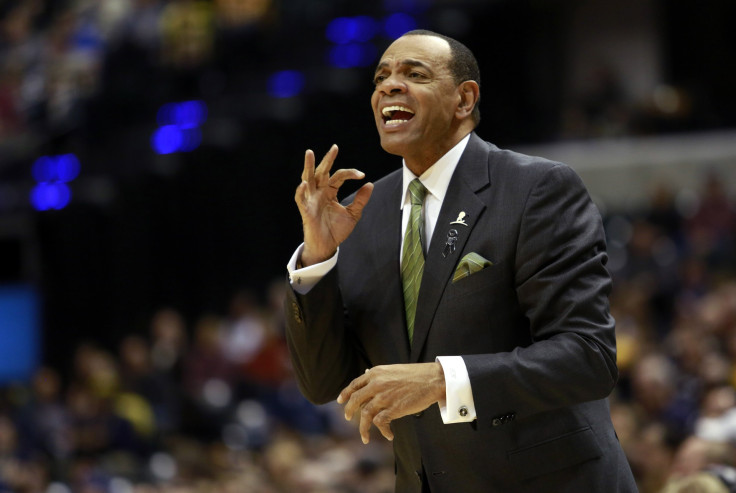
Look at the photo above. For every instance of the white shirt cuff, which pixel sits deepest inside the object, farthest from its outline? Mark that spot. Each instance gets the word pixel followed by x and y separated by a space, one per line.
pixel 304 279
pixel 459 406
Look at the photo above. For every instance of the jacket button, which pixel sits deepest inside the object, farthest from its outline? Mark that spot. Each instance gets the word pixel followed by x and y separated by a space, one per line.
pixel 463 411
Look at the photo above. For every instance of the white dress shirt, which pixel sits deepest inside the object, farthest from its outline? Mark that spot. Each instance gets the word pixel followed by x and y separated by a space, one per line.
pixel 458 406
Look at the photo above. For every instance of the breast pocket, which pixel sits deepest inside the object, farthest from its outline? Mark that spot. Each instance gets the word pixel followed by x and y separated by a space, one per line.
pixel 477 282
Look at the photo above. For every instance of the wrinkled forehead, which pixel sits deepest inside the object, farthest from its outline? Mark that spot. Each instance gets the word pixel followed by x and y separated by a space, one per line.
pixel 430 50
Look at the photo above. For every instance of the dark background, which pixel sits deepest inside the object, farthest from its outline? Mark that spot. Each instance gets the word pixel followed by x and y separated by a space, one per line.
pixel 188 230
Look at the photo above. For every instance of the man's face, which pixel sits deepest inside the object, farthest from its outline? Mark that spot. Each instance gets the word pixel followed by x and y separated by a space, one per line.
pixel 415 98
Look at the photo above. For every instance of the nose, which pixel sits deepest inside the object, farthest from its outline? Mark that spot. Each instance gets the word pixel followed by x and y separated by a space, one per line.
pixel 392 85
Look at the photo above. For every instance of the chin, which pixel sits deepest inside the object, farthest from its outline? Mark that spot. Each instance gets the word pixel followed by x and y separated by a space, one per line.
pixel 391 145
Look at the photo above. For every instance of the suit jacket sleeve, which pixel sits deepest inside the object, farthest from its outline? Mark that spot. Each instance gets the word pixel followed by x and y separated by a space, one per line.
pixel 562 287
pixel 323 353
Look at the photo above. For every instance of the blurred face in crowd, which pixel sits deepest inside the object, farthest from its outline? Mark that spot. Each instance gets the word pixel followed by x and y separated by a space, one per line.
pixel 415 100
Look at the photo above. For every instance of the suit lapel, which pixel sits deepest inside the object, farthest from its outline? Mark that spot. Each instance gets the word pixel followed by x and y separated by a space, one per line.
pixel 470 176
pixel 387 243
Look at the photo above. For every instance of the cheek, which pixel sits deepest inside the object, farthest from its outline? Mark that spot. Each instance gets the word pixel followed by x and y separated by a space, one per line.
pixel 374 101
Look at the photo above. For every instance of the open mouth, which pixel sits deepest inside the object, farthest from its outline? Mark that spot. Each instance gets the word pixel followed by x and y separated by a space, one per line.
pixel 395 115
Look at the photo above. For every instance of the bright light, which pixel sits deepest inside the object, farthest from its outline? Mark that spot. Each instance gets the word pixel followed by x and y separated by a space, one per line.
pixel 179 127
pixel 167 139
pixel 44 169
pixel 341 30
pixel 186 114
pixel 52 174
pixel 344 30
pixel 286 84
pixel 395 25
pixel 62 168
pixel 190 114
pixel 67 167
pixel 50 195
pixel 353 55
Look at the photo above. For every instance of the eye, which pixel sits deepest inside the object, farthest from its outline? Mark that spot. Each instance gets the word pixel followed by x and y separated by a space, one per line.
pixel 378 79
pixel 416 75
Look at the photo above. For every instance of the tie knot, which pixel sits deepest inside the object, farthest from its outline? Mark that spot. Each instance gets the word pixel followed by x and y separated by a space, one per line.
pixel 417 192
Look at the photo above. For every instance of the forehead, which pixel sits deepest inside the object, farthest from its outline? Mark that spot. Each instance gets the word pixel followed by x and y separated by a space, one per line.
pixel 430 50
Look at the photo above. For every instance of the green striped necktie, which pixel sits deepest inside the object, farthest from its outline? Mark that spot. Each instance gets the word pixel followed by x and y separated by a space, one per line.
pixel 412 261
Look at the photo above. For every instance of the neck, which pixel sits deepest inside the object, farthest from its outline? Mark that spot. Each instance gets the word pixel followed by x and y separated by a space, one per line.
pixel 421 163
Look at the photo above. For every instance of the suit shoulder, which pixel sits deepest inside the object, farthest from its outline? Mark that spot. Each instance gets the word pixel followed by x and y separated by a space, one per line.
pixel 505 158
pixel 505 165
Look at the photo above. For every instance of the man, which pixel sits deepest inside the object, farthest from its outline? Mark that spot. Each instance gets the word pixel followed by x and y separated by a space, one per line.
pixel 466 315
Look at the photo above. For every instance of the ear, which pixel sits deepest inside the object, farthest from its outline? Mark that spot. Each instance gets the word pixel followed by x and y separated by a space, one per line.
pixel 469 94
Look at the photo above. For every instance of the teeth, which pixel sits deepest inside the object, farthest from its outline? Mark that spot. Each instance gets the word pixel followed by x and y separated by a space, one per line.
pixel 388 109
pixel 395 122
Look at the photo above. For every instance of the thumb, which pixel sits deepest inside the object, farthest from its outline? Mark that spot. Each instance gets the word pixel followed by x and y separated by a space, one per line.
pixel 361 199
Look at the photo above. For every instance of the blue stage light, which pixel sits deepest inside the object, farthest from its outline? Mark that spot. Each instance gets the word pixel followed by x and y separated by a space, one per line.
pixel 62 168
pixel 341 30
pixel 286 84
pixel 366 28
pixel 345 56
pixel 344 30
pixel 353 55
pixel 185 114
pixel 190 114
pixel 190 139
pixel 44 169
pixel 67 167
pixel 167 139
pixel 397 24
pixel 165 114
pixel 50 195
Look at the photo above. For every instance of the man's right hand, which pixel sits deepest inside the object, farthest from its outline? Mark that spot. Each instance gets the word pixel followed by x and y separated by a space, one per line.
pixel 326 222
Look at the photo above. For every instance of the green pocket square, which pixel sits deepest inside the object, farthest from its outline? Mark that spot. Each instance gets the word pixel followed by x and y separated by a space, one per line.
pixel 470 264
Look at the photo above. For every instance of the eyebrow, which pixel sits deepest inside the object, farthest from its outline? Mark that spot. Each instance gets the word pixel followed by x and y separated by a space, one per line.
pixel 409 61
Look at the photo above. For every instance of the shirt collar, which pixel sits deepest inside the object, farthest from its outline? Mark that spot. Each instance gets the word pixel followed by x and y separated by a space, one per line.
pixel 437 178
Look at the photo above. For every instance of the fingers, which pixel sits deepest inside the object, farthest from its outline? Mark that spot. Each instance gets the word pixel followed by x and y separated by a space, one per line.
pixel 355 401
pixel 382 421
pixel 356 384
pixel 320 176
pixel 308 172
pixel 341 175
pixel 366 419
pixel 322 173
pixel 373 413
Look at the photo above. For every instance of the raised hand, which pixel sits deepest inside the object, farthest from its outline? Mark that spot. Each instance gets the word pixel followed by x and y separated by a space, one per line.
pixel 326 222
pixel 385 393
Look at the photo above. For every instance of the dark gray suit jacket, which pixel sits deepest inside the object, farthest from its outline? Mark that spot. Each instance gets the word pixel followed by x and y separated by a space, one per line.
pixel 534 329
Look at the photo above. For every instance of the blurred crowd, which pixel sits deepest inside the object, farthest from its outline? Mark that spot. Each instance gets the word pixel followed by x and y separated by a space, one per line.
pixel 55 57
pixel 211 406
pixel 674 301
pixel 206 408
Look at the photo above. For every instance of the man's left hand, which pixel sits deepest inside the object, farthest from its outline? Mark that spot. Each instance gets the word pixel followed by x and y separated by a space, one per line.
pixel 389 392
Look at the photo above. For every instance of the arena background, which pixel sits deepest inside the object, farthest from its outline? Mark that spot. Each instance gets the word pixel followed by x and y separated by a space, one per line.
pixel 149 152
